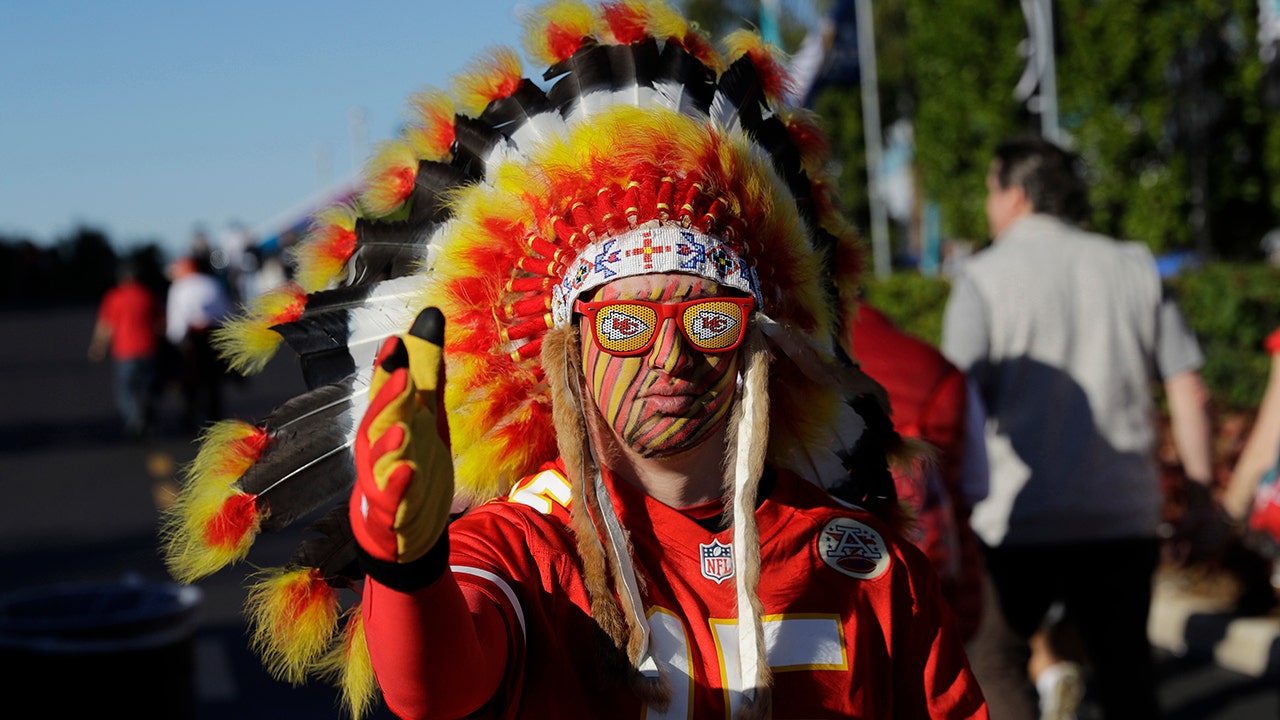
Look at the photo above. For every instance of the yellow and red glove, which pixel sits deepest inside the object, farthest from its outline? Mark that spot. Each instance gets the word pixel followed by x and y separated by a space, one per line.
pixel 404 471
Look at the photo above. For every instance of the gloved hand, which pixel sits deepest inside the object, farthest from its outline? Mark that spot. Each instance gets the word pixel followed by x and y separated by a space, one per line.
pixel 404 471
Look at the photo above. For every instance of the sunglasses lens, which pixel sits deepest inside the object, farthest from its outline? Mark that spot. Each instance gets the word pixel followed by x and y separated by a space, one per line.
pixel 713 325
pixel 623 328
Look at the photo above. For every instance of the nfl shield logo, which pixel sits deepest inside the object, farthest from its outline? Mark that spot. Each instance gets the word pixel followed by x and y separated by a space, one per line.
pixel 717 561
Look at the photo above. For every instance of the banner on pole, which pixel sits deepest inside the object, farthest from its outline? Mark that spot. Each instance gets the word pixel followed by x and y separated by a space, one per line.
pixel 829 54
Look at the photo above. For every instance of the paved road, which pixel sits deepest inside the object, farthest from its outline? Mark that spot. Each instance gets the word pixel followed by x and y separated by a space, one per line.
pixel 79 505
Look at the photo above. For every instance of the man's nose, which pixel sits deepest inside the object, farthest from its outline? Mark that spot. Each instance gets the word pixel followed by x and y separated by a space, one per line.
pixel 671 350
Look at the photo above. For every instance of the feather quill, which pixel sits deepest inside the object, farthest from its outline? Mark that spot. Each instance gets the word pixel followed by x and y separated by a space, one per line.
pixel 682 82
pixel 738 98
pixel 332 550
pixel 386 251
pixel 341 329
pixel 309 462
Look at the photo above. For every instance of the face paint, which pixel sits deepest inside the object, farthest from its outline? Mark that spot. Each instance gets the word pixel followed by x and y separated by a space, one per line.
pixel 672 397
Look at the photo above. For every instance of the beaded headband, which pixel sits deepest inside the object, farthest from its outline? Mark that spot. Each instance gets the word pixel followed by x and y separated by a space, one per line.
pixel 661 249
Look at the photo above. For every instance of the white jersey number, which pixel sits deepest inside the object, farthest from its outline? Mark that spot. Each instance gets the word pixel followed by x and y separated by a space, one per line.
pixel 794 643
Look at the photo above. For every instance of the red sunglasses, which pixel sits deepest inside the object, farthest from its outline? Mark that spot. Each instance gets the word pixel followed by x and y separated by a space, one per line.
pixel 629 327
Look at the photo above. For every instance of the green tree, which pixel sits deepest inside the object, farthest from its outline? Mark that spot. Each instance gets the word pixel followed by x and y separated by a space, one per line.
pixel 1161 98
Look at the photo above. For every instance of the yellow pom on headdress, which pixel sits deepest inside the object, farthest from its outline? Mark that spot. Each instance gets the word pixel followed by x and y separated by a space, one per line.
pixel 557 31
pixel 247 341
pixel 432 132
pixel 626 20
pixel 321 257
pixel 390 175
pixel 348 666
pixel 667 23
pixel 488 78
pixel 212 524
pixel 293 614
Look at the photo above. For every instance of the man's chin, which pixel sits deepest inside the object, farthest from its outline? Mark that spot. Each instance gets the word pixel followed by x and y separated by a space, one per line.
pixel 673 447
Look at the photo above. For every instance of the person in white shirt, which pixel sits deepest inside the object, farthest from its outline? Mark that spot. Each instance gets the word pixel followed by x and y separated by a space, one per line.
pixel 196 305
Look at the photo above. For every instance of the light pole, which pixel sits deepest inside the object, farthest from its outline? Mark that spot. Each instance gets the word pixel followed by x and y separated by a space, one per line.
pixel 871 133
pixel 1041 69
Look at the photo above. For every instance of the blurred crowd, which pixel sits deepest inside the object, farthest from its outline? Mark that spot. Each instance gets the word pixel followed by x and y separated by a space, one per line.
pixel 159 336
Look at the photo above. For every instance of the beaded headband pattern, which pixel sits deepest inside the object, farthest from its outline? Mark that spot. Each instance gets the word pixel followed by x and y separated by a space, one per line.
pixel 662 249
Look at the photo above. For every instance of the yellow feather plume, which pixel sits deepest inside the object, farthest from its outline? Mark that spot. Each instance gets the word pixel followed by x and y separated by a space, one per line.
pixel 665 22
pixel 226 451
pixel 390 175
pixel 547 31
pixel 770 64
pixel 348 665
pixel 321 257
pixel 431 129
pixel 293 616
pixel 209 485
pixel 495 75
pixel 247 342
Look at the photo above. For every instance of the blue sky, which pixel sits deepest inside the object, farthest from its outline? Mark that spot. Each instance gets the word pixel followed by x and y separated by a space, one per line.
pixel 146 119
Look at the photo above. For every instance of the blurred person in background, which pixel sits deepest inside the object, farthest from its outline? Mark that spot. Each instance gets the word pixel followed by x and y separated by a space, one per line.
pixel 1067 334
pixel 932 401
pixel 197 304
pixel 127 330
pixel 1252 497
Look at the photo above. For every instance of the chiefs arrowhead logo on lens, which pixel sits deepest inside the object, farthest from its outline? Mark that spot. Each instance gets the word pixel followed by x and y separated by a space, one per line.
pixel 618 326
pixel 712 323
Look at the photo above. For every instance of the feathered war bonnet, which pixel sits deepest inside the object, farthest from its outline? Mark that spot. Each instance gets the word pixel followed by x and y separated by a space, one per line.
pixel 500 202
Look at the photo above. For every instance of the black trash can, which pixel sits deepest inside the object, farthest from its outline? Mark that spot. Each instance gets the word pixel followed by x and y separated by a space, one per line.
pixel 87 650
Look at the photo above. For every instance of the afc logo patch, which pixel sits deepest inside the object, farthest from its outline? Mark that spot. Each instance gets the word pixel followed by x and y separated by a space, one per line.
pixel 854 549
pixel 717 560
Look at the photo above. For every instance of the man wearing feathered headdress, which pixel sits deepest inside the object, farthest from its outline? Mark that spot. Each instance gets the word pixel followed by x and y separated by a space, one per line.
pixel 598 475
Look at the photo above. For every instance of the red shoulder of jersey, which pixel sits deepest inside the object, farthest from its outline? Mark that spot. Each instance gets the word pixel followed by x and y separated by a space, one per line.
pixel 548 491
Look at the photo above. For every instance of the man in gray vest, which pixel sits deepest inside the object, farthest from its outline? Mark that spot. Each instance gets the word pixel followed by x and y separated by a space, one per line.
pixel 1066 334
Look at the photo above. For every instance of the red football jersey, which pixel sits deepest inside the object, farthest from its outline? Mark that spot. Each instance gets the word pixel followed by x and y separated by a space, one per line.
pixel 132 313
pixel 853 620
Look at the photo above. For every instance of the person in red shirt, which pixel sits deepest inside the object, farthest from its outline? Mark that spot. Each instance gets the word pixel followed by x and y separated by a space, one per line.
pixel 127 329
pixel 931 402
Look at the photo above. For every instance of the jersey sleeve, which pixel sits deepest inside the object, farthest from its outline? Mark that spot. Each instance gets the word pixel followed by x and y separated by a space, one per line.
pixel 458 646
pixel 440 651
pixel 933 679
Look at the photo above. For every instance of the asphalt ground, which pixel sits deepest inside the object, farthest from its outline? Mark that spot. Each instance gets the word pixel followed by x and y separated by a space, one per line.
pixel 80 509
